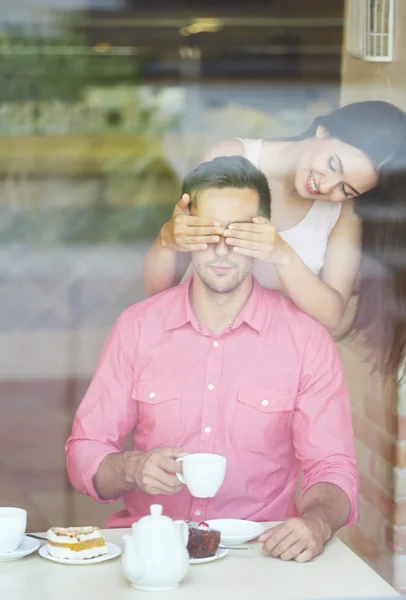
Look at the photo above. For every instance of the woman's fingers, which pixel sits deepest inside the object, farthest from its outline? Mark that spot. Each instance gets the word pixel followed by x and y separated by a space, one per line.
pixel 191 234
pixel 182 206
pixel 202 239
pixel 251 245
pixel 185 219
pixel 184 201
pixel 248 252
pixel 244 235
pixel 257 240
pixel 194 247
pixel 254 227
pixel 190 230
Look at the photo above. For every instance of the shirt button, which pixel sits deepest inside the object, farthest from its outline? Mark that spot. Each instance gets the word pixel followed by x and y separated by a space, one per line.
pixel 197 513
pixel 210 387
pixel 151 395
pixel 215 343
pixel 264 402
pixel 207 429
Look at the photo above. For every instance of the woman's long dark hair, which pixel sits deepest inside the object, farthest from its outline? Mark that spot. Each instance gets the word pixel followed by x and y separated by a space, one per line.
pixel 379 130
pixel 380 314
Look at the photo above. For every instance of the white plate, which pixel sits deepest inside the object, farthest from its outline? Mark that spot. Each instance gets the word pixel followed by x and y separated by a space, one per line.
pixel 113 552
pixel 219 554
pixel 27 546
pixel 236 531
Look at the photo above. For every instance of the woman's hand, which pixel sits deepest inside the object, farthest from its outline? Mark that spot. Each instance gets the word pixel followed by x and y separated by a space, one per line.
pixel 258 239
pixel 185 233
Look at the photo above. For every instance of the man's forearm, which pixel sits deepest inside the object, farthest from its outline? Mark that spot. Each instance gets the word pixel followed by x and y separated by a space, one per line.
pixel 328 504
pixel 110 480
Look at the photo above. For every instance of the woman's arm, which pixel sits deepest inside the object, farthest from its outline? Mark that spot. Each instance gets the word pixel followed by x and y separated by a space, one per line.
pixel 168 259
pixel 326 298
pixel 164 265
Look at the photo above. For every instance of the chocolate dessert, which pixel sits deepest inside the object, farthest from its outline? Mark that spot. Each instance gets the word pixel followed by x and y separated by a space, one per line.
pixel 203 541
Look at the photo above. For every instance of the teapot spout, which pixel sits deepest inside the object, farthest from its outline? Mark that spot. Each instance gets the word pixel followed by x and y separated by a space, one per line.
pixel 133 564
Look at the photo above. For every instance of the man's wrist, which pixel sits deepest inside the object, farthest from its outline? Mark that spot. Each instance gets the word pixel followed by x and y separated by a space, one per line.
pixel 128 468
pixel 319 517
pixel 327 504
pixel 110 481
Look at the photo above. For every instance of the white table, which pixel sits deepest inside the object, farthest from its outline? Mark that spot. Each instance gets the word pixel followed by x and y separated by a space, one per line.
pixel 242 574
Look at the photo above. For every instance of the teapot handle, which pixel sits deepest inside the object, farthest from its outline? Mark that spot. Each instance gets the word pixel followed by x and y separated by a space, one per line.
pixel 184 530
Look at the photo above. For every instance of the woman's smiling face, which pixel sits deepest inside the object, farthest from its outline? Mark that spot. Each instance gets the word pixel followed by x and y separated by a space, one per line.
pixel 332 170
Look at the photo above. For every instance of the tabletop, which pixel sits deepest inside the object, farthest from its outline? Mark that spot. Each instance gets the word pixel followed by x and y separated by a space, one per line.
pixel 337 573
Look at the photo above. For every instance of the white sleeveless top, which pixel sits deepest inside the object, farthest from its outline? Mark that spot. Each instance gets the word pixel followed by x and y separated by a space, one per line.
pixel 309 238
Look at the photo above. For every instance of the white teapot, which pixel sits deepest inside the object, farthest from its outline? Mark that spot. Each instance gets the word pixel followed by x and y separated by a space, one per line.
pixel 155 555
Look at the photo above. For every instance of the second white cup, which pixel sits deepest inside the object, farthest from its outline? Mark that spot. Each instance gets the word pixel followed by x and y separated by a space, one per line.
pixel 203 474
pixel 13 522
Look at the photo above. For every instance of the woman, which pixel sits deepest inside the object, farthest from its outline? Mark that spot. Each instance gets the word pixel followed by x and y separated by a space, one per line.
pixel 322 183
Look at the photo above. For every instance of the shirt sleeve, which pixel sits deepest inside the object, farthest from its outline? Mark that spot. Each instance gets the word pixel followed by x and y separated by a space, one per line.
pixel 107 413
pixel 322 424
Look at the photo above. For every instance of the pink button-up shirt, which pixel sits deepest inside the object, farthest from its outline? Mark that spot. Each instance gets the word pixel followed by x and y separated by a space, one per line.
pixel 269 394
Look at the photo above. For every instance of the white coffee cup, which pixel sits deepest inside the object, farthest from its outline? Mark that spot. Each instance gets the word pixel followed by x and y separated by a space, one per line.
pixel 13 522
pixel 203 474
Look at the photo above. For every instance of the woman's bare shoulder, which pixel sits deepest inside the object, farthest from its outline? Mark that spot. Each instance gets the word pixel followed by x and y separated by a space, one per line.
pixel 225 148
pixel 348 224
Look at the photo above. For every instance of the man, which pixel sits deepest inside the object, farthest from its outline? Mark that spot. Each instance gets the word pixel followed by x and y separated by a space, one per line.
pixel 219 364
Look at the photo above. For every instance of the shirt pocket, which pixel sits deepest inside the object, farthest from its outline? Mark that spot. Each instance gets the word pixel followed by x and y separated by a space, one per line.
pixel 263 417
pixel 159 419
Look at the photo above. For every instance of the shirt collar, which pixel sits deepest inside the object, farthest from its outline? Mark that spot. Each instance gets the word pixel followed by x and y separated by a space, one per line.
pixel 253 312
pixel 181 311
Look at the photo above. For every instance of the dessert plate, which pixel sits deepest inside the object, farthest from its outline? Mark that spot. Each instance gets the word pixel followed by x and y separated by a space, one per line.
pixel 219 554
pixel 113 552
pixel 236 531
pixel 27 546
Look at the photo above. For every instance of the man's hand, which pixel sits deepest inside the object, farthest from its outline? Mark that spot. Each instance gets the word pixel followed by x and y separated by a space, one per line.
pixel 153 472
pixel 300 539
pixel 185 233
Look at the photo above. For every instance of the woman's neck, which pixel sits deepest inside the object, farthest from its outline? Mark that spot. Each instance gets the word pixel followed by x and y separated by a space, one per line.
pixel 280 159
pixel 279 162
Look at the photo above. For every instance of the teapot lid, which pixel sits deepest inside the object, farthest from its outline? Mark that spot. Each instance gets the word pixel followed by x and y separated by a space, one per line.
pixel 156 510
pixel 155 521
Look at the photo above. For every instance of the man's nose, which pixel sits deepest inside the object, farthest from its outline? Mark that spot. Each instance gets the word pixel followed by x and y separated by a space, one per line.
pixel 221 248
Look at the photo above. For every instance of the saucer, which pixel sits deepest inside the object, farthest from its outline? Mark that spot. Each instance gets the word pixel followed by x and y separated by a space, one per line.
pixel 236 531
pixel 219 554
pixel 113 552
pixel 27 546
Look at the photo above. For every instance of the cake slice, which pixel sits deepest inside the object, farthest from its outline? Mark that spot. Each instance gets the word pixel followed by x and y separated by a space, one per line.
pixel 76 542
pixel 203 541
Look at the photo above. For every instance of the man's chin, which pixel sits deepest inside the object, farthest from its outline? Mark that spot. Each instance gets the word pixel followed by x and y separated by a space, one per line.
pixel 221 287
pixel 224 291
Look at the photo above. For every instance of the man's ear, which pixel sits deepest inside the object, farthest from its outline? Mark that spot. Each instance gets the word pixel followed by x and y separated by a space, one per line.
pixel 321 133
